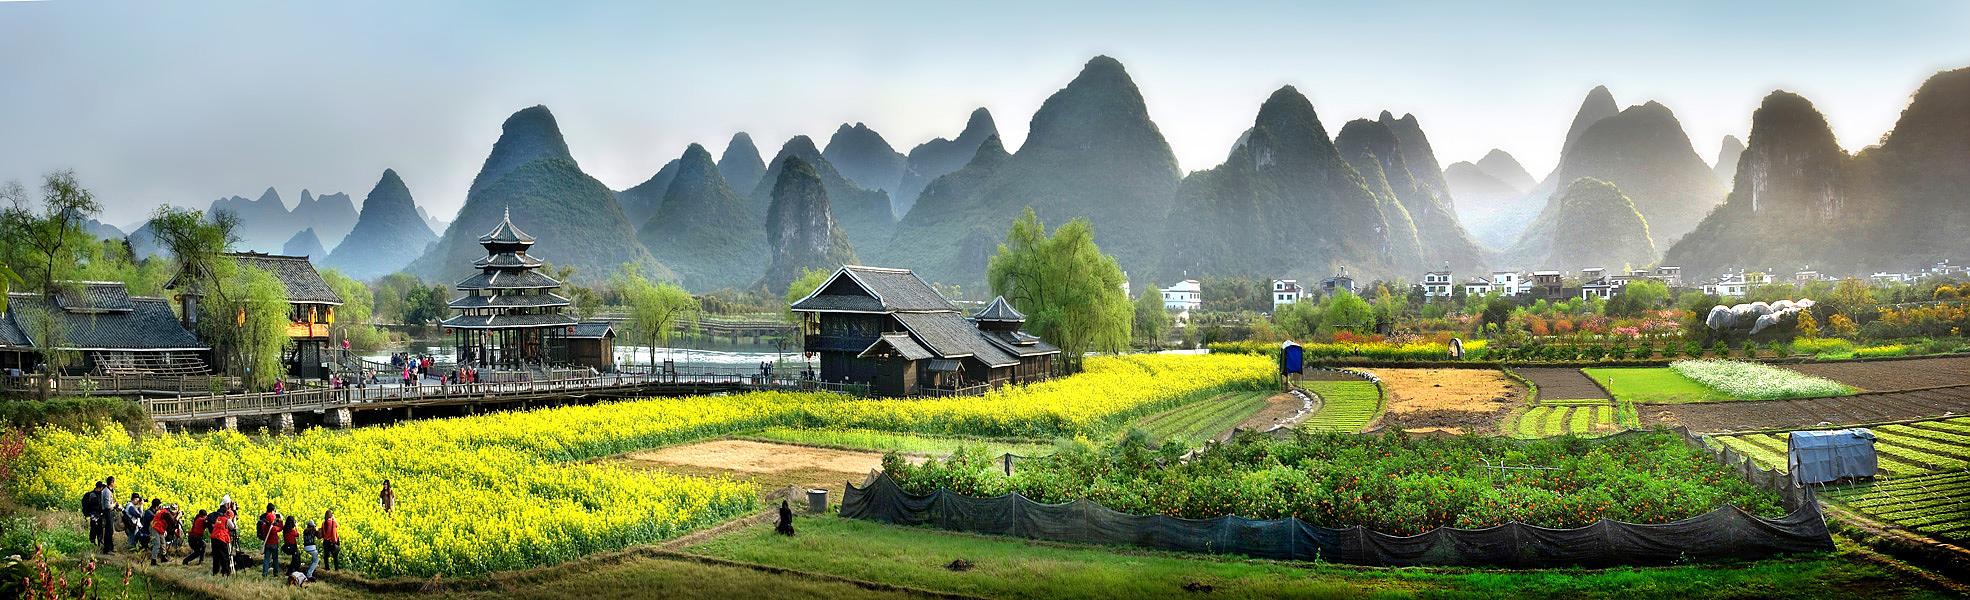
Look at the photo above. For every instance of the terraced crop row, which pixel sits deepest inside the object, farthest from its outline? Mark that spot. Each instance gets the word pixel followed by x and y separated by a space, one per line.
pixel 1345 406
pixel 1548 420
pixel 1197 422
pixel 1937 505
pixel 1902 450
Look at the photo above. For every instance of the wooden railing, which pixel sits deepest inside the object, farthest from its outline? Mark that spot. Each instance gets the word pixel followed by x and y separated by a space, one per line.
pixel 116 384
pixel 314 399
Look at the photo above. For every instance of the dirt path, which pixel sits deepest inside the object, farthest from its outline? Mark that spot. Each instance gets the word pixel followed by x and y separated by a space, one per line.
pixel 1448 400
pixel 772 467
pixel 1893 374
pixel 1872 407
pixel 1562 383
pixel 1281 410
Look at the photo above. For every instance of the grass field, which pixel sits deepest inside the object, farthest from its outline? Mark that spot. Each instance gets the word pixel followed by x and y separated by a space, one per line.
pixel 1013 568
pixel 1195 423
pixel 1346 406
pixel 1926 484
pixel 884 441
pixel 1653 385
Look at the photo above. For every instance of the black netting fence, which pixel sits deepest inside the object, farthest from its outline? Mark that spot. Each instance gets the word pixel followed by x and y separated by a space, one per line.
pixel 1722 533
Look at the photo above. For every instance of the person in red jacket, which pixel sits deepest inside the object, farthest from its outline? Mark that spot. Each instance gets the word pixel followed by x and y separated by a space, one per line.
pixel 195 538
pixel 270 545
pixel 224 527
pixel 331 540
pixel 290 544
pixel 161 524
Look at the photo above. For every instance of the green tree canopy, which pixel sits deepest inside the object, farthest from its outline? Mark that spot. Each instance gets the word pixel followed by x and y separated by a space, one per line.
pixel 1152 321
pixel 1070 291
pixel 245 316
pixel 656 310
pixel 47 244
pixel 1348 311
pixel 355 319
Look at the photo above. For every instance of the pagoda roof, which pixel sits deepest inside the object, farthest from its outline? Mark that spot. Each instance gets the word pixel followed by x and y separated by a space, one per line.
pixel 510 321
pixel 508 301
pixel 494 279
pixel 507 260
pixel 1001 311
pixel 506 232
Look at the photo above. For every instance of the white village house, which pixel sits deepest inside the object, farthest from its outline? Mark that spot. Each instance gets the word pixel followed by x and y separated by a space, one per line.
pixel 1285 292
pixel 1437 284
pixel 1185 296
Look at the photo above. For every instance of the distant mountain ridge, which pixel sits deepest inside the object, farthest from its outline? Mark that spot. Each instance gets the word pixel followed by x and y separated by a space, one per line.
pixel 703 230
pixel 389 233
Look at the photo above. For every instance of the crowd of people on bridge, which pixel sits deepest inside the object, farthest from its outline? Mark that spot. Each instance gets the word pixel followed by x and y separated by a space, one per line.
pixel 161 529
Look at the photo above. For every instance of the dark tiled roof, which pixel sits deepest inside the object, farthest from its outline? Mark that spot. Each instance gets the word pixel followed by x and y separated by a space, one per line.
pixel 148 326
pixel 1020 343
pixel 839 303
pixel 11 335
pixel 900 289
pixel 901 343
pixel 1000 310
pixel 505 232
pixel 946 366
pixel 592 330
pixel 507 260
pixel 508 301
pixel 509 321
pixel 951 336
pixel 304 283
pixel 495 279
pixel 95 296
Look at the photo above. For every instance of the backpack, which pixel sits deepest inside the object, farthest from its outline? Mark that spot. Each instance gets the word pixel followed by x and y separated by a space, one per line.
pixel 92 501
pixel 260 529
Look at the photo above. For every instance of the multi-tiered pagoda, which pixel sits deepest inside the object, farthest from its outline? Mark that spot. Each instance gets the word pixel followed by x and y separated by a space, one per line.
pixel 509 315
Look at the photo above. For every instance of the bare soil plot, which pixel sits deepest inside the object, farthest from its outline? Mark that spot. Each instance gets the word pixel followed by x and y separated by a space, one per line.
pixel 1888 375
pixel 770 466
pixel 1866 407
pixel 1280 409
pixel 1561 383
pixel 1449 400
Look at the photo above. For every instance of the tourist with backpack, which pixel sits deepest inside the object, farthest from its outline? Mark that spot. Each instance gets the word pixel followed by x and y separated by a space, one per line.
pixel 133 520
pixel 268 531
pixel 311 546
pixel 195 538
pixel 225 528
pixel 92 506
pixel 108 514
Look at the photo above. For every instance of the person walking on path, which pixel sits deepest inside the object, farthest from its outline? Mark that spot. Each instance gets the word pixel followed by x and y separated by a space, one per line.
pixel 108 513
pixel 270 534
pixel 145 535
pixel 290 544
pixel 225 528
pixel 311 546
pixel 195 538
pixel 161 525
pixel 331 540
pixel 388 497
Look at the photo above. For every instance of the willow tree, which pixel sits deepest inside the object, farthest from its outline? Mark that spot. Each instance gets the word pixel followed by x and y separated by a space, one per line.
pixel 47 244
pixel 1070 291
pixel 655 310
pixel 246 318
pixel 1152 319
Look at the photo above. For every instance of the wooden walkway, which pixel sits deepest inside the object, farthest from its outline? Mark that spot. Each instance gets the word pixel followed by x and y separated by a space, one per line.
pixel 391 395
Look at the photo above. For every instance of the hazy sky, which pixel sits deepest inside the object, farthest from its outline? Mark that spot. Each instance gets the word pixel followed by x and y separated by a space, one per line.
pixel 184 102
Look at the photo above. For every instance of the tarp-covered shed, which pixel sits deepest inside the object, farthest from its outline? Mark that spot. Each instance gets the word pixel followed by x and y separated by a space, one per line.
pixel 1292 358
pixel 1823 456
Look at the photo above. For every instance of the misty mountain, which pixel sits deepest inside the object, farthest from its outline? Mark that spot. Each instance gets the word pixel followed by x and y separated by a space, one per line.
pixel 945 202
pixel 862 156
pixel 430 221
pixel 641 201
pixel 306 244
pixel 389 233
pixel 938 157
pixel 330 215
pixel 1091 151
pixel 861 212
pixel 102 231
pixel 1643 151
pixel 1285 203
pixel 1591 224
pixel 740 165
pixel 800 227
pixel 704 231
pixel 1507 221
pixel 264 223
pixel 1376 145
pixel 1727 155
pixel 1501 165
pixel 1494 199
pixel 530 174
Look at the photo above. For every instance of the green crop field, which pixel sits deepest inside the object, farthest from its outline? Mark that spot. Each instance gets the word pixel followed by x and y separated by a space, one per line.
pixel 1925 482
pixel 1346 406
pixel 1576 417
pixel 1653 385
pixel 1198 422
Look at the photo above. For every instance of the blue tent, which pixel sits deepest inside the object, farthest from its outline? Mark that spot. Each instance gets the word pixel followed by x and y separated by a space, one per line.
pixel 1823 456
pixel 1291 358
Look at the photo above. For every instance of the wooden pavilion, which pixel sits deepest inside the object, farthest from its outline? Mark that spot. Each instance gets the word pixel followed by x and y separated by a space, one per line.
pixel 509 315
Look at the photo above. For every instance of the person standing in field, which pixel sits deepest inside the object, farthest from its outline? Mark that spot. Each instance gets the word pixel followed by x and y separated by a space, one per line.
pixel 388 497
pixel 310 545
pixel 108 514
pixel 195 538
pixel 331 540
pixel 160 528
pixel 225 528
pixel 270 535
pixel 92 508
pixel 290 544
pixel 133 519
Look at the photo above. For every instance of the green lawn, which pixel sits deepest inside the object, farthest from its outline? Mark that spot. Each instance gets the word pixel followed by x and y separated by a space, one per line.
pixel 1346 406
pixel 1013 568
pixel 1653 385
pixel 1195 423
pixel 883 441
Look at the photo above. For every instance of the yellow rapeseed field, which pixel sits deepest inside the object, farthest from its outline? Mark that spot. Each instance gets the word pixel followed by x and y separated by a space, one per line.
pixel 510 490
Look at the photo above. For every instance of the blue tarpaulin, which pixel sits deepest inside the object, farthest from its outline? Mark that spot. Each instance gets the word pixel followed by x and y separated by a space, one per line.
pixel 1823 456
pixel 1291 358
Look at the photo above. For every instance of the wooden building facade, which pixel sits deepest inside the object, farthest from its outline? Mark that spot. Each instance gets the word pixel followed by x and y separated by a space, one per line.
pixel 888 329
